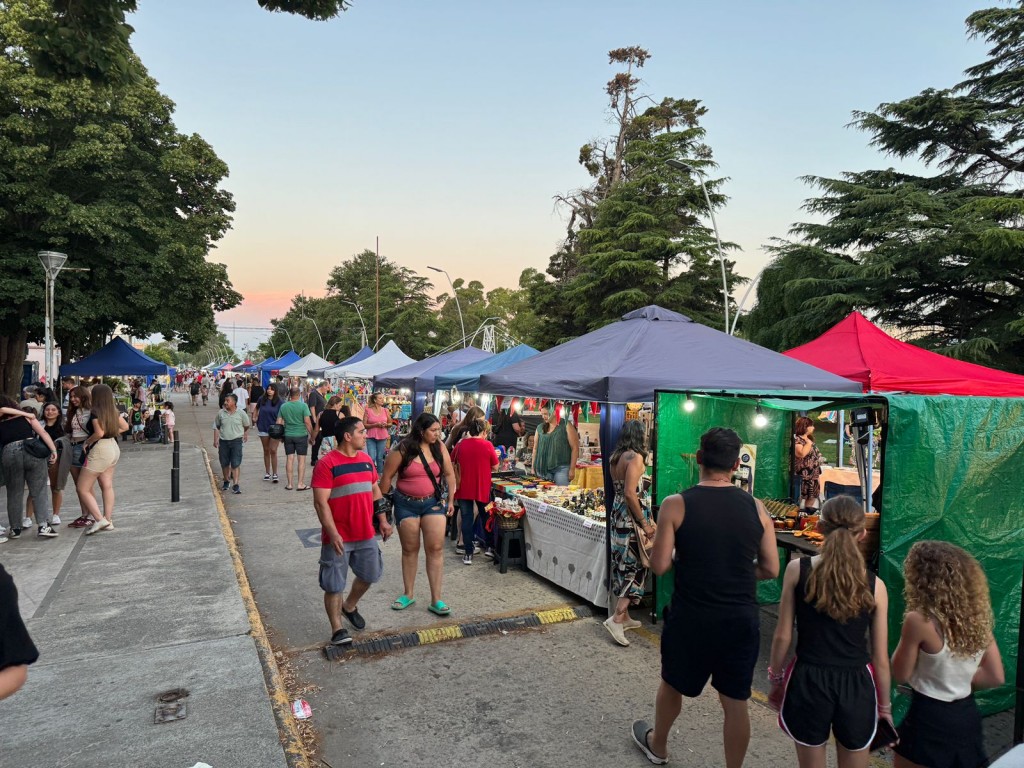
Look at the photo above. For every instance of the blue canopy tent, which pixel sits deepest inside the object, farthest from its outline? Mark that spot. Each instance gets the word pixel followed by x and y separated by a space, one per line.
pixel 117 358
pixel 419 377
pixel 648 349
pixel 289 357
pixel 359 356
pixel 467 378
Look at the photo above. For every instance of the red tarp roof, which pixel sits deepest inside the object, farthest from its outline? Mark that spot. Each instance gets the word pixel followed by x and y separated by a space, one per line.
pixel 857 349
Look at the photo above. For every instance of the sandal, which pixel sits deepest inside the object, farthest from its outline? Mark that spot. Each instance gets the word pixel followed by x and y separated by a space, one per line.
pixel 402 602
pixel 302 488
pixel 287 487
pixel 439 608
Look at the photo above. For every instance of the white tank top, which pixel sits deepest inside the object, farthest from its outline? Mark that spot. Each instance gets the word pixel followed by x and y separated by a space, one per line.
pixel 944 676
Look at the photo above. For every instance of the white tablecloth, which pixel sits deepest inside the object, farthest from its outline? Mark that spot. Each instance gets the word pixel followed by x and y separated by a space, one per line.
pixel 567 549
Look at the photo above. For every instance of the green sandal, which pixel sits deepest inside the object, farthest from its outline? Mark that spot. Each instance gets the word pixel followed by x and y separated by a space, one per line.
pixel 439 608
pixel 402 602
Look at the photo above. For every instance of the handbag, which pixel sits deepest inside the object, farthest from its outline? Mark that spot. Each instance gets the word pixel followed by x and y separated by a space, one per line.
pixel 275 431
pixel 438 492
pixel 34 446
pixel 644 544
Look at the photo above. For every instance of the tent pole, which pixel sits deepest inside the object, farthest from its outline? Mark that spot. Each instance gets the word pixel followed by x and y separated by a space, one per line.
pixel 842 436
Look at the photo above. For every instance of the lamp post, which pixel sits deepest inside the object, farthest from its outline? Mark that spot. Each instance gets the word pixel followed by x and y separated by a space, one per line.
pixel 381 337
pixel 290 342
pixel 52 262
pixel 457 305
pixel 743 303
pixel 680 165
pixel 363 341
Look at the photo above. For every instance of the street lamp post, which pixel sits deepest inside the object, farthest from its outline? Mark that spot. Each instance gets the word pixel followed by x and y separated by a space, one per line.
pixel 52 262
pixel 363 341
pixel 680 165
pixel 458 306
pixel 389 333
pixel 290 342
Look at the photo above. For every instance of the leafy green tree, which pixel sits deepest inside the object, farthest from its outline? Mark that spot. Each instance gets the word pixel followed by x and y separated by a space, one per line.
pixel 101 173
pixel 160 353
pixel 939 257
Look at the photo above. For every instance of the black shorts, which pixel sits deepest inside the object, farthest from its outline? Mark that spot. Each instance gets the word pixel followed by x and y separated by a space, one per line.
pixel 696 648
pixel 942 734
pixel 293 445
pixel 821 700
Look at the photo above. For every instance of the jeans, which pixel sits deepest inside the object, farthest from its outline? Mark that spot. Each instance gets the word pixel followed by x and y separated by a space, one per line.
pixel 20 468
pixel 378 452
pixel 406 508
pixel 466 507
pixel 558 475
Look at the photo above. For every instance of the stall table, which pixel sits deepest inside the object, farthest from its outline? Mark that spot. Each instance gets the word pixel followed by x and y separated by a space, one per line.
pixel 845 476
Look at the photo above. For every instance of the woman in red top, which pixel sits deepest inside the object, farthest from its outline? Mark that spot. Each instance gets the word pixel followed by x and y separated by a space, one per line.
pixel 474 456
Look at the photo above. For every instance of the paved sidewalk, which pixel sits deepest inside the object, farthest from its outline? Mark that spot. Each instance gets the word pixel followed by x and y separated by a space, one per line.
pixel 120 617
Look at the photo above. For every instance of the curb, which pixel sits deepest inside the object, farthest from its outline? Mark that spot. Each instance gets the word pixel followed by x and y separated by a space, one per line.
pixel 384 644
pixel 291 741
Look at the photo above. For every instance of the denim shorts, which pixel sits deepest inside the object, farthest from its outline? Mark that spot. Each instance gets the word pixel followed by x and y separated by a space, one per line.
pixel 363 557
pixel 78 455
pixel 294 445
pixel 231 452
pixel 406 508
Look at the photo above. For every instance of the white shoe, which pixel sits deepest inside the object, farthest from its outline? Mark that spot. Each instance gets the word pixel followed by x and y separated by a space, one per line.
pixel 616 631
pixel 632 624
pixel 98 525
pixel 26 523
pixel 55 520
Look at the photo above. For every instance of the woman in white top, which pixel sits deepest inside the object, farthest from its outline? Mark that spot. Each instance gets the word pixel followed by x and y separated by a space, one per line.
pixel 946 651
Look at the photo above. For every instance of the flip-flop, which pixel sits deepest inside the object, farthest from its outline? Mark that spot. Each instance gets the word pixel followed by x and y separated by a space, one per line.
pixel 402 602
pixel 287 487
pixel 302 488
pixel 439 608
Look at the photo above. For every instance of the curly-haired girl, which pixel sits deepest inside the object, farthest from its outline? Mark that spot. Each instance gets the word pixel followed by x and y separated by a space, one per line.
pixel 841 613
pixel 946 651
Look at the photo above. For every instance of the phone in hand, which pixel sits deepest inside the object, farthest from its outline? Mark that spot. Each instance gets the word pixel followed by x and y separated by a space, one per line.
pixel 885 735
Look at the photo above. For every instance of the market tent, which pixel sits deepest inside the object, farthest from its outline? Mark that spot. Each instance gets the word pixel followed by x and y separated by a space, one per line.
pixel 419 377
pixel 359 356
pixel 387 359
pixel 301 367
pixel 467 378
pixel 273 364
pixel 652 348
pixel 117 358
pixel 857 349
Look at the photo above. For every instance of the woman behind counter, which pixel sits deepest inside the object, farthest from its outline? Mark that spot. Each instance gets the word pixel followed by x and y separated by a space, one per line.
pixel 556 448
pixel 807 462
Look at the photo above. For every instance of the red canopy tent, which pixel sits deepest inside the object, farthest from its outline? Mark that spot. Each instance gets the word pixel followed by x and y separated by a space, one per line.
pixel 857 349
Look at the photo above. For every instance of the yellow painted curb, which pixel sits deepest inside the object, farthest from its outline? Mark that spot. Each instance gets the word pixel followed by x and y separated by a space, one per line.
pixel 291 741
pixel 439 634
pixel 557 615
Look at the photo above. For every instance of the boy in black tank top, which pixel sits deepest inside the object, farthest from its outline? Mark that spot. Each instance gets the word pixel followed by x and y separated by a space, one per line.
pixel 724 542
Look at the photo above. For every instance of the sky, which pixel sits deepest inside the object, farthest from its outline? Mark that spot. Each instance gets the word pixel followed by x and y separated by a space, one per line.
pixel 446 127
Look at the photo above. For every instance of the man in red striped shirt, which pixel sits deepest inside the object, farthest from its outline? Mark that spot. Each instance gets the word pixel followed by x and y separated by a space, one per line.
pixel 346 497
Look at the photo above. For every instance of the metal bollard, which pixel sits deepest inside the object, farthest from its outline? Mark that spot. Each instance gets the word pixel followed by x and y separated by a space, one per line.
pixel 175 470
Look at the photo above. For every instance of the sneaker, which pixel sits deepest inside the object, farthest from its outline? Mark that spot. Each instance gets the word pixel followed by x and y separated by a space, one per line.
pixel 489 553
pixel 99 525
pixel 355 617
pixel 225 485
pixel 639 731
pixel 3 539
pixel 266 476
pixel 616 631
pixel 467 560
pixel 273 478
pixel 459 549
pixel 81 522
pixel 55 520
pixel 47 532
pixel 26 523
pixel 235 488
pixel 341 637
pixel 632 624
pixel 14 533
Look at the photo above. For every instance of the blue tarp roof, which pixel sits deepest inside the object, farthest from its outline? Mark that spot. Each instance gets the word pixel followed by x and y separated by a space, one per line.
pixel 419 377
pixel 653 348
pixel 362 354
pixel 117 358
pixel 289 357
pixel 467 378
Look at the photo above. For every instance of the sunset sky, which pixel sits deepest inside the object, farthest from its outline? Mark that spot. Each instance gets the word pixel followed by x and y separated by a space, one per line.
pixel 445 127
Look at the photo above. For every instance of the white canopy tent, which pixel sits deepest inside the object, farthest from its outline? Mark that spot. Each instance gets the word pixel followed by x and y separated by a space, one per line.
pixel 301 367
pixel 389 358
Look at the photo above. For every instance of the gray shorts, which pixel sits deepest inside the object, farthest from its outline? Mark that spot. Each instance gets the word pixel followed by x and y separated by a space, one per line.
pixel 364 557
pixel 293 445
pixel 230 452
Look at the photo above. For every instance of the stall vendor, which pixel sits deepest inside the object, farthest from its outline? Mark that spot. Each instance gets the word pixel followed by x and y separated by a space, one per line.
pixel 556 448
pixel 807 463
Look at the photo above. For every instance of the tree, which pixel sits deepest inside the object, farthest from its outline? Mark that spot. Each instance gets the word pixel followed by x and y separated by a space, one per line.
pixel 91 39
pixel 635 235
pixel 939 257
pixel 161 353
pixel 101 172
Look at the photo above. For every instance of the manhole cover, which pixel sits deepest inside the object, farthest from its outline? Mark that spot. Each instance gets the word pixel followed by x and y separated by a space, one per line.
pixel 171 706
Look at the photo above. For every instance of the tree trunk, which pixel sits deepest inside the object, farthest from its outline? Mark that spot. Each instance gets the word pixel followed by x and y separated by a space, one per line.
pixel 12 359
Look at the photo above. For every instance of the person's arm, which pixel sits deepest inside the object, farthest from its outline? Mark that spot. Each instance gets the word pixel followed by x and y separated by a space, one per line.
pixel 323 512
pixel 904 658
pixel 536 440
pixel 391 465
pixel 309 428
pixel 768 551
pixel 880 650
pixel 216 432
pixel 256 414
pixel 670 517
pixel 449 476
pixel 574 445
pixel 246 426
pixel 16 412
pixel 801 446
pixel 783 638
pixel 122 423
pixel 990 673
pixel 634 471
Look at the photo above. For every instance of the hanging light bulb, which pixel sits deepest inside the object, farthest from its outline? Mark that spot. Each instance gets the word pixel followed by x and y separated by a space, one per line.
pixel 760 420
pixel 689 405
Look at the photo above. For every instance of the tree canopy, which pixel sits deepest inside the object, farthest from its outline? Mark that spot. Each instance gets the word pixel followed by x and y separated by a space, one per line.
pixel 941 257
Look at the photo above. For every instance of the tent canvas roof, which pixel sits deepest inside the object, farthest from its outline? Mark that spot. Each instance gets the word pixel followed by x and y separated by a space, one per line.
pixel 117 358
pixel 653 348
pixel 362 354
pixel 301 367
pixel 288 358
pixel 419 377
pixel 388 358
pixel 857 349
pixel 467 378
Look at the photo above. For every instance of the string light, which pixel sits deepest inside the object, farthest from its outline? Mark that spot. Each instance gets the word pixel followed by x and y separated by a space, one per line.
pixel 760 420
pixel 689 405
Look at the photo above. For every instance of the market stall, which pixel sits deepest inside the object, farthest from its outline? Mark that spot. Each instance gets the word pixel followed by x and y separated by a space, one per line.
pixel 418 378
pixel 300 368
pixel 358 357
pixel 270 367
pixel 117 358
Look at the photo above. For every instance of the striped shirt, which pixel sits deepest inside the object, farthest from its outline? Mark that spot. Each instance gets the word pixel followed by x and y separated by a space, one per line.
pixel 351 480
